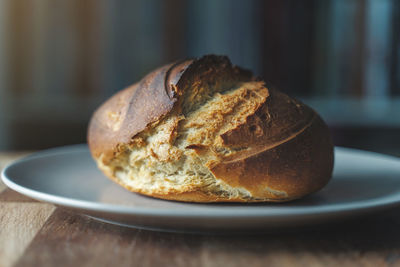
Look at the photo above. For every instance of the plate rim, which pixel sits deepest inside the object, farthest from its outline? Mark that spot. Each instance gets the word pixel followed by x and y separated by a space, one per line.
pixel 274 211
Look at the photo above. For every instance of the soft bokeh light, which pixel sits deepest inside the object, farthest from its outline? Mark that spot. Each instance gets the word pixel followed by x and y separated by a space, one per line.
pixel 60 59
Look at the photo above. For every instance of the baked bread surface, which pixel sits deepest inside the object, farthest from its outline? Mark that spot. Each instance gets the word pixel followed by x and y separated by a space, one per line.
pixel 204 130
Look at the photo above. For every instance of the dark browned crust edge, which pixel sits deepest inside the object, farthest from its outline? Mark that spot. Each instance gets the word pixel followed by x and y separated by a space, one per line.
pixel 149 100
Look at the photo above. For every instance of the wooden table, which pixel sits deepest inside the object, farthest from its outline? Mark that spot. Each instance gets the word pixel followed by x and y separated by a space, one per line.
pixel 38 234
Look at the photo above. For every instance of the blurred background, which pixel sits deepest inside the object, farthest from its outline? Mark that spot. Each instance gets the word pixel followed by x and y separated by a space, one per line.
pixel 59 59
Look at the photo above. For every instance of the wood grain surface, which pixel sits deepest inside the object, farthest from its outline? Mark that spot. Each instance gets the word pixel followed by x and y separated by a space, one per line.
pixel 38 234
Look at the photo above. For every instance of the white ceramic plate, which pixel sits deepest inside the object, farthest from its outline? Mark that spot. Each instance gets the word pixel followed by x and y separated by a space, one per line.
pixel 362 182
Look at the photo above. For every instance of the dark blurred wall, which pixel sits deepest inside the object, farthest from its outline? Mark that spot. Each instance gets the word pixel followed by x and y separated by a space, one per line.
pixel 61 59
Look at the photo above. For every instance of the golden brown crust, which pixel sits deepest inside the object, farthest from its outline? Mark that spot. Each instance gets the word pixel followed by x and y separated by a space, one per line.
pixel 290 155
pixel 133 109
pixel 282 150
pixel 291 168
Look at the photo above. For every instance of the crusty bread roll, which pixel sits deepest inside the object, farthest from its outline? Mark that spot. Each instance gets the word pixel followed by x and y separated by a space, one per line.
pixel 204 130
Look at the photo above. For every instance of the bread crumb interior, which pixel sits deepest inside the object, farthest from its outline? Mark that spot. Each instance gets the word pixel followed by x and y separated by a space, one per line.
pixel 176 155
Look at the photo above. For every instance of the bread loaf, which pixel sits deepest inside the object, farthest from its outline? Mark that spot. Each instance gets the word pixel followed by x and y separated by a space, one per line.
pixel 203 130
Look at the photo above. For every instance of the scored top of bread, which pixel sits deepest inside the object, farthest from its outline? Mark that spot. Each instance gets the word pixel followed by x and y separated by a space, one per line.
pixel 204 130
